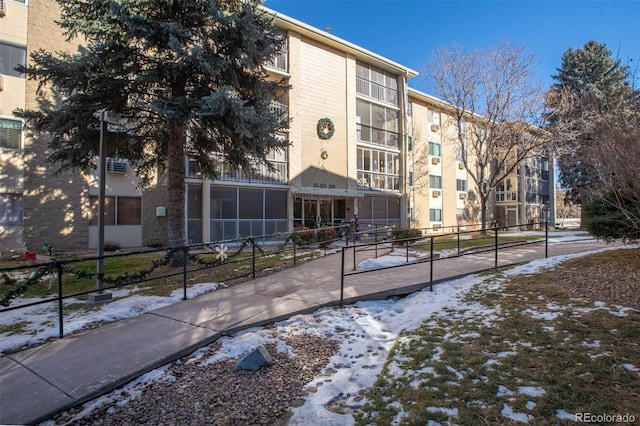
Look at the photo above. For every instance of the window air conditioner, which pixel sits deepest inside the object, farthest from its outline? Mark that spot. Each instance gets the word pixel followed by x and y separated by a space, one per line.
pixel 435 127
pixel 116 166
pixel 436 226
pixel 461 166
pixel 435 194
pixel 462 196
pixel 435 160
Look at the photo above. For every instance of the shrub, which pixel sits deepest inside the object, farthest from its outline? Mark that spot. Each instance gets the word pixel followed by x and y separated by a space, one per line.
pixel 401 234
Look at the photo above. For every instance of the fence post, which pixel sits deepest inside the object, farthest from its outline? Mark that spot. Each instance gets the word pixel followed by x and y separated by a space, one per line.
pixel 342 279
pixel 60 313
pixel 546 239
pixel 184 272
pixel 431 267
pixel 253 259
pixel 295 259
pixel 496 246
pixel 354 254
pixel 407 250
pixel 458 235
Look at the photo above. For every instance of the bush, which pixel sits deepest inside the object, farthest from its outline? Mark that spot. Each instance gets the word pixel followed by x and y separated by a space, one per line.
pixel 325 235
pixel 402 234
pixel 304 235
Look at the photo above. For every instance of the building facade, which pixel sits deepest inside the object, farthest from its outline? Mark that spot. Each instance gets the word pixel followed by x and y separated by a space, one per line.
pixel 364 148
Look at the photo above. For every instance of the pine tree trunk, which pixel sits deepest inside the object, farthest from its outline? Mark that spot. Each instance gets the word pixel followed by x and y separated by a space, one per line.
pixel 175 192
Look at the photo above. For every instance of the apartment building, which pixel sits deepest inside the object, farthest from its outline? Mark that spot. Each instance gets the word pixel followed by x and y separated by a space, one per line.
pixel 364 148
pixel 13 51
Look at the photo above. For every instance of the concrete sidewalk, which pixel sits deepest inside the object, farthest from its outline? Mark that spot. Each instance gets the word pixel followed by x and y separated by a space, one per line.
pixel 36 383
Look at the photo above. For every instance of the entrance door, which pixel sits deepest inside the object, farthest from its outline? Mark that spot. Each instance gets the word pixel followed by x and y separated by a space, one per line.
pixel 313 212
pixel 512 217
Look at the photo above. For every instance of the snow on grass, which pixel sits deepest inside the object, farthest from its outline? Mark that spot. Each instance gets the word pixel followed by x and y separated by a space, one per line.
pixel 39 322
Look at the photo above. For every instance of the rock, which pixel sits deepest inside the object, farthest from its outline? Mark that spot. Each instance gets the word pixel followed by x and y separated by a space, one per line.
pixel 255 360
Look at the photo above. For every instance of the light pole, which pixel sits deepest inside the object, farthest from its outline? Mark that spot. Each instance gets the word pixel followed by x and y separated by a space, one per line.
pixel 105 118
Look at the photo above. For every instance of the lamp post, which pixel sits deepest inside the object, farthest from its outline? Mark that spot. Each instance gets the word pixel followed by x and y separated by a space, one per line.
pixel 105 118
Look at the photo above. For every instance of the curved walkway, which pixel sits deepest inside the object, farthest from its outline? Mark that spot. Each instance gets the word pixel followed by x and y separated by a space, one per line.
pixel 39 382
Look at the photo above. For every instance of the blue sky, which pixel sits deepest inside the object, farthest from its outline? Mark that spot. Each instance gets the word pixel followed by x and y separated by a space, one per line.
pixel 406 31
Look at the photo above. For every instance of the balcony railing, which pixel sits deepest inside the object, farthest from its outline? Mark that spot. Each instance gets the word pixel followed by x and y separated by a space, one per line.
pixel 377 136
pixel 279 62
pixel 378 181
pixel 376 91
pixel 260 175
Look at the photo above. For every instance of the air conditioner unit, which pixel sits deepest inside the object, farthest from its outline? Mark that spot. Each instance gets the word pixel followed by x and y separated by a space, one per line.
pixel 435 160
pixel 436 226
pixel 462 195
pixel 461 166
pixel 435 194
pixel 116 165
pixel 435 127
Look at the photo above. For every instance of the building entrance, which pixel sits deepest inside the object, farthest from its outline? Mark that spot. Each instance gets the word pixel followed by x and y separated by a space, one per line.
pixel 313 213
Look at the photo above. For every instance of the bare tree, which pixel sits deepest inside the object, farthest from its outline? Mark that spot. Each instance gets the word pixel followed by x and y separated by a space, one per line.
pixel 496 105
pixel 609 158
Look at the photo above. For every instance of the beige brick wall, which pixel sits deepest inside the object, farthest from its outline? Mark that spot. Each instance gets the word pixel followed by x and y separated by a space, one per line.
pixel 56 206
pixel 319 90
pixel 422 195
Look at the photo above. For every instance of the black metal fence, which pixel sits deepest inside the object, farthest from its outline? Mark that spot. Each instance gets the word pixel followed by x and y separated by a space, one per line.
pixel 239 257
pixel 459 242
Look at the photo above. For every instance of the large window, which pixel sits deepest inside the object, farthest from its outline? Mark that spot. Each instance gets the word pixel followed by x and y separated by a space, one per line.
pixel 279 61
pixel 378 169
pixel 461 185
pixel 435 182
pixel 435 149
pixel 10 57
pixel 376 84
pixel 10 133
pixel 10 209
pixel 379 211
pixel 377 124
pixel 243 212
pixel 118 210
pixel 435 215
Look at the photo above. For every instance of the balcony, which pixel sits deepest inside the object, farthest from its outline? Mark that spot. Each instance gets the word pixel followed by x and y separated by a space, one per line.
pixel 378 182
pixel 377 136
pixel 376 91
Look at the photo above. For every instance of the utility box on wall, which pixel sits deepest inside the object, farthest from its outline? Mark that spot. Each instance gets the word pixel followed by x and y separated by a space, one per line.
pixel 161 211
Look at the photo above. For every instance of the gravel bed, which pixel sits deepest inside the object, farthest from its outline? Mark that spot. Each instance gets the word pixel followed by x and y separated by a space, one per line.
pixel 616 281
pixel 216 395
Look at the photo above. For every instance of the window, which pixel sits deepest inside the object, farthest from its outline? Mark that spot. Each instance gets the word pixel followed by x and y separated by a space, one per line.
pixel 378 169
pixel 435 182
pixel 435 215
pixel 10 133
pixel 10 57
pixel 377 124
pixel 435 149
pixel 461 185
pixel 279 61
pixel 433 117
pixel 461 154
pixel 10 210
pixel 118 210
pixel 376 84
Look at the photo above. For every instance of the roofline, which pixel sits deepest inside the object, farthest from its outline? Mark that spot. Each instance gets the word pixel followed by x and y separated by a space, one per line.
pixel 288 23
pixel 425 97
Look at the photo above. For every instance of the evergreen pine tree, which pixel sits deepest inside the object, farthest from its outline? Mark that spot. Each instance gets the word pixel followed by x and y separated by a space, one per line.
pixel 186 76
pixel 590 83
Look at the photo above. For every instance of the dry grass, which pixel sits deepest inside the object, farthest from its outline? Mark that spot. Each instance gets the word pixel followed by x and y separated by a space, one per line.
pixel 538 348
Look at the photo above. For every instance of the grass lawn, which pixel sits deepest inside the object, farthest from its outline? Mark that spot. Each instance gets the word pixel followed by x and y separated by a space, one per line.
pixel 520 349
